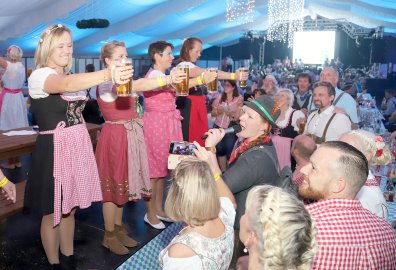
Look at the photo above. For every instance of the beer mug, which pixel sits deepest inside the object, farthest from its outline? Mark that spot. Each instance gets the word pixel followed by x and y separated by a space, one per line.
pixel 243 83
pixel 124 90
pixel 301 127
pixel 182 87
pixel 212 86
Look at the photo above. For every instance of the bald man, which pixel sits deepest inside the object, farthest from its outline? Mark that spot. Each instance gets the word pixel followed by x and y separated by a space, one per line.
pixel 302 148
pixel 343 101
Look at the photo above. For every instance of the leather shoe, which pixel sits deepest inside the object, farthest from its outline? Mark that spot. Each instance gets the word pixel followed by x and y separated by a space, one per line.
pixel 166 219
pixel 159 226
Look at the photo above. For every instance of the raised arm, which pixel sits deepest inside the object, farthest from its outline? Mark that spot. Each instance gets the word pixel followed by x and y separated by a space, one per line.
pixel 211 159
pixel 61 83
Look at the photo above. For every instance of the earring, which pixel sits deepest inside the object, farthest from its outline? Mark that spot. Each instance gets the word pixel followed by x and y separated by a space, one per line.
pixel 245 250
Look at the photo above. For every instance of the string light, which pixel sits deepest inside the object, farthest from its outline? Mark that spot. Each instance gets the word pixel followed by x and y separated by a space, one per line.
pixel 240 11
pixel 284 18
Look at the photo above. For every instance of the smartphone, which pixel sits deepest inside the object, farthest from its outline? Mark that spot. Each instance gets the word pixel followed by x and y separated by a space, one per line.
pixel 182 148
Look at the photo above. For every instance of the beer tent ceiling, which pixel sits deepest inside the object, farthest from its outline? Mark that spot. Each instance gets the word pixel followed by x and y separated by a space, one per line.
pixel 140 22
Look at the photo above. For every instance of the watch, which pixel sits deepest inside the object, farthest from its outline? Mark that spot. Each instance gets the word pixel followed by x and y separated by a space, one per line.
pixel 211 149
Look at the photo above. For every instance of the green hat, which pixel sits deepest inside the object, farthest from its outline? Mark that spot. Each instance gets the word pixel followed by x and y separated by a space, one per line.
pixel 264 105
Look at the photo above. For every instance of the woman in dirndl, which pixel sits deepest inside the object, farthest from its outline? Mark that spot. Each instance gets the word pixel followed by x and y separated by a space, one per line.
pixel 63 173
pixel 13 113
pixel 121 150
pixel 193 108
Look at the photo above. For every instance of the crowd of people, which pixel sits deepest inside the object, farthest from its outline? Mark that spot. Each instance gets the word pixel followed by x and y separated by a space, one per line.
pixel 231 194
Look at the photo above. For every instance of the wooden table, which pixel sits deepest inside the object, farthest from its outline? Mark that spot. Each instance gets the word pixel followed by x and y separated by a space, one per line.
pixel 15 146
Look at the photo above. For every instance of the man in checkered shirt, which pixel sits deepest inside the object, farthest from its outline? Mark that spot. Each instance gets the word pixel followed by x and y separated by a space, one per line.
pixel 349 236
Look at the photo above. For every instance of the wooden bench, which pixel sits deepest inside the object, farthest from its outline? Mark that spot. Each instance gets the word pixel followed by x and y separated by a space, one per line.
pixel 7 207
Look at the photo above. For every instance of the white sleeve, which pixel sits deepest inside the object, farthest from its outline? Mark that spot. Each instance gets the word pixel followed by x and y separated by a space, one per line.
pixel 36 82
pixel 340 125
pixel 297 115
pixel 155 73
pixel 227 212
pixel 349 105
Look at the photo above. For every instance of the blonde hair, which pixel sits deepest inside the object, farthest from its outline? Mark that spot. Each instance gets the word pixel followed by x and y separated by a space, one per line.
pixel 49 40
pixel 369 143
pixel 107 50
pixel 193 197
pixel 285 231
pixel 289 94
pixel 14 53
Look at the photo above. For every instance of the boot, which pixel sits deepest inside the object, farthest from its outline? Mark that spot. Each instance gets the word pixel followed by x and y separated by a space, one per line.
pixel 68 262
pixel 111 242
pixel 122 235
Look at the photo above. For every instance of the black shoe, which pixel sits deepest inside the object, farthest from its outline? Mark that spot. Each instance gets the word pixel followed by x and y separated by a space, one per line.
pixel 56 266
pixel 67 262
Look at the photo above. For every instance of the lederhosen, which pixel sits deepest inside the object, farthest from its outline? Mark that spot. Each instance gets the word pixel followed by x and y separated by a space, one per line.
pixel 317 139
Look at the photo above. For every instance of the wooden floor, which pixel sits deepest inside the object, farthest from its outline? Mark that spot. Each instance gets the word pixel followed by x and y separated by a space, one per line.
pixel 20 244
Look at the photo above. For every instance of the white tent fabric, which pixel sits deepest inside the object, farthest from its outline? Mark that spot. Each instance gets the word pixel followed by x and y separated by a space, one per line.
pixel 140 22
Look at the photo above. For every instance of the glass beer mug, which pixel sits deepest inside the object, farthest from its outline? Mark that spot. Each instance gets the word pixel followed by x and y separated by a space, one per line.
pixel 212 86
pixel 182 87
pixel 124 90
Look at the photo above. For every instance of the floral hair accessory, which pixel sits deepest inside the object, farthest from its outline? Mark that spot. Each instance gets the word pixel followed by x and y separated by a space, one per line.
pixel 379 152
pixel 379 139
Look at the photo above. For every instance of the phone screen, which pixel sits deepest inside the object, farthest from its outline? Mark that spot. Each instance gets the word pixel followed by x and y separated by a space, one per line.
pixel 182 148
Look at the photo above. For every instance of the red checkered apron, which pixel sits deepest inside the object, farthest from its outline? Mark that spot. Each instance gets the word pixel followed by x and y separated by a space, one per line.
pixel 76 177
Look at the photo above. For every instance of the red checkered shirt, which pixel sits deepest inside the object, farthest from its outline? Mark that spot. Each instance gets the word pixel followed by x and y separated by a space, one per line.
pixel 351 237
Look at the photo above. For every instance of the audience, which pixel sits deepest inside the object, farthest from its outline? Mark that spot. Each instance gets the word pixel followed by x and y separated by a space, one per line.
pixel 302 148
pixel 277 230
pixel 287 127
pixel 388 106
pixel 349 236
pixel 270 85
pixel 325 124
pixel 303 93
pixel 226 109
pixel 343 101
pixel 199 197
pixel 377 153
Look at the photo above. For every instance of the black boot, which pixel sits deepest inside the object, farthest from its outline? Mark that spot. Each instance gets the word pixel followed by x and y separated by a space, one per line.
pixel 56 266
pixel 67 262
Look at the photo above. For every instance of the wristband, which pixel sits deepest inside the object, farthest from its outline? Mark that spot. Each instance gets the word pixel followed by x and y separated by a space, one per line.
pixel 233 76
pixel 199 80
pixel 217 176
pixel 3 182
pixel 211 149
pixel 160 81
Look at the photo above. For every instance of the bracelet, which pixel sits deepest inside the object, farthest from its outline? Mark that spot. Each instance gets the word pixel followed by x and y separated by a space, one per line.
pixel 211 149
pixel 160 81
pixel 217 176
pixel 233 76
pixel 199 80
pixel 3 182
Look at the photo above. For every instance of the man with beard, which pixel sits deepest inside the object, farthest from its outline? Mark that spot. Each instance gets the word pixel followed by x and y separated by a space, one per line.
pixel 349 236
pixel 343 102
pixel 325 124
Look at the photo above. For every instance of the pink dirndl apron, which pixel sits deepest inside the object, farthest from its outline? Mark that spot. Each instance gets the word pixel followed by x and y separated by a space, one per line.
pixel 76 177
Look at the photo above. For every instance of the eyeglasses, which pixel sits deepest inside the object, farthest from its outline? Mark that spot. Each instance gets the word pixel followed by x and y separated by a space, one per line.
pixel 167 54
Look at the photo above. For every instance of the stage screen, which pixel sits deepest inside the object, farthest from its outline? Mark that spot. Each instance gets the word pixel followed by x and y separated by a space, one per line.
pixel 314 47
